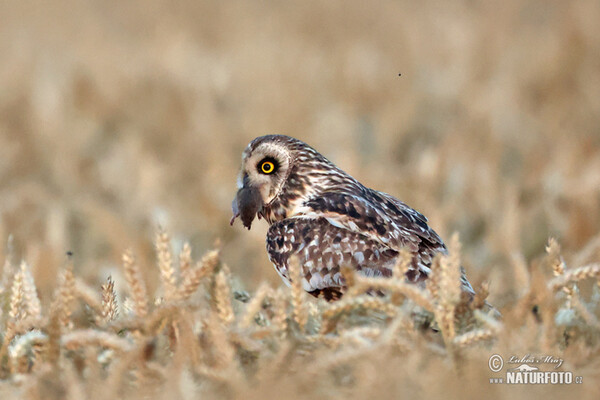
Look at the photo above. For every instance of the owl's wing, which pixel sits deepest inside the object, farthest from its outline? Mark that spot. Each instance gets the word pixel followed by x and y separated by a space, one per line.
pixel 385 219
pixel 322 249
pixel 380 217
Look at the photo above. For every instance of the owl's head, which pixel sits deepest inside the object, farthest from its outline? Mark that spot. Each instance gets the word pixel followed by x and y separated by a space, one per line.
pixel 272 165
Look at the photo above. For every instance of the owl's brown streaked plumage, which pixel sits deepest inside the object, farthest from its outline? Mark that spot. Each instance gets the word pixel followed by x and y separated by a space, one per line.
pixel 327 219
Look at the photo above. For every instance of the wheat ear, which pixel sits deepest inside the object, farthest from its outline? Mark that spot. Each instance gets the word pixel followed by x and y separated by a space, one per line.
pixel 165 264
pixel 575 275
pixel 299 310
pixel 136 284
pixel 185 259
pixel 109 301
pixel 30 296
pixel 222 295
pixel 449 289
pixel 194 277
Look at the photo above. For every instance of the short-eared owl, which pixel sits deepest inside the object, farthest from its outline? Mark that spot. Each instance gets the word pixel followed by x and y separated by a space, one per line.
pixel 327 219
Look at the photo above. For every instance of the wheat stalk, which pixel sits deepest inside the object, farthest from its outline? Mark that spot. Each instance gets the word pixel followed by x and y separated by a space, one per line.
pixel 223 349
pixel 360 302
pixel 558 266
pixel 585 313
pixel 21 349
pixel 200 341
pixel 521 272
pixel 30 296
pixel 402 264
pixel 433 280
pixel 280 316
pixel 254 305
pixel 195 275
pixel 222 295
pixel 60 310
pixel 109 301
pixel 16 310
pixel 449 290
pixel 575 275
pixel 88 295
pixel 299 310
pixel 395 286
pixel 348 304
pixel 185 259
pixel 65 295
pixel 136 284
pixel 469 338
pixel 92 337
pixel 165 264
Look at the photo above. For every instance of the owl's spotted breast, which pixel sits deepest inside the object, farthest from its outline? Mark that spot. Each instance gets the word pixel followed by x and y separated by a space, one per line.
pixel 322 249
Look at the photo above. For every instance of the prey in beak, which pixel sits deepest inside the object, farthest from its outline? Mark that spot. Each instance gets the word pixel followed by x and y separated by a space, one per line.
pixel 246 205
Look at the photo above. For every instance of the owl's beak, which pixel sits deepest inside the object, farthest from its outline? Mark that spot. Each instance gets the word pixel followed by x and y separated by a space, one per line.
pixel 246 205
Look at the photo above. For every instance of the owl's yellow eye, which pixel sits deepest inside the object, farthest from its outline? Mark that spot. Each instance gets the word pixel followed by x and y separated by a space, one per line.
pixel 267 167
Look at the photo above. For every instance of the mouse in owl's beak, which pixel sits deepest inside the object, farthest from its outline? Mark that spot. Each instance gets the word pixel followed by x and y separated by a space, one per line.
pixel 246 205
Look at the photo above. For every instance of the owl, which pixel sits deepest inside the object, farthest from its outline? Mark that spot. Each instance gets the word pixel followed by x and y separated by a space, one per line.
pixel 327 219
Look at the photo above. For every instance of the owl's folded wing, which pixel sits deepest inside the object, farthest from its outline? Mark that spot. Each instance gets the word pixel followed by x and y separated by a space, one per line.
pixel 382 218
pixel 386 220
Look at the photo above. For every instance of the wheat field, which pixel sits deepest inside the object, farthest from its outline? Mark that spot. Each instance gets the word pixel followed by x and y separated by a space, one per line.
pixel 121 131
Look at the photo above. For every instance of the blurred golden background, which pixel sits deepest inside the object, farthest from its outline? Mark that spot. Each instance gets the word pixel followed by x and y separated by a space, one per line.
pixel 116 117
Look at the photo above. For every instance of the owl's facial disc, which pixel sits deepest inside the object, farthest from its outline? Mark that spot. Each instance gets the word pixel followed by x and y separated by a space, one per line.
pixel 264 170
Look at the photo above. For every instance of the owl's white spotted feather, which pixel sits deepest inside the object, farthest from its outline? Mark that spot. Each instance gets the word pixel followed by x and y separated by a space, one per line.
pixel 327 219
